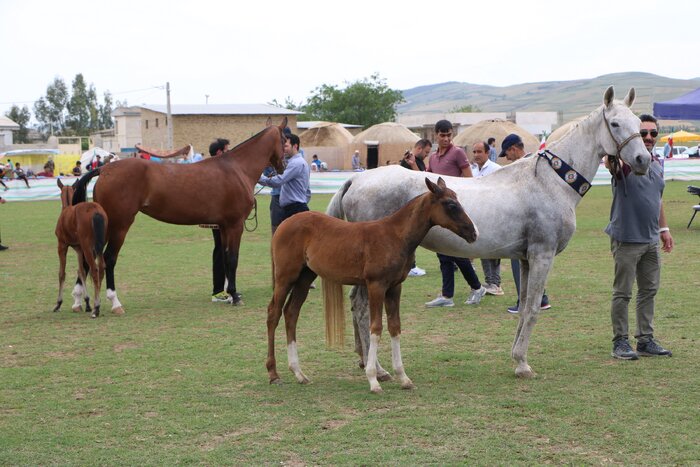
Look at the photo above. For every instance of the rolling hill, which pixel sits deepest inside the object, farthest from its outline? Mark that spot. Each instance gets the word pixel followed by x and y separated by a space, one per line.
pixel 572 98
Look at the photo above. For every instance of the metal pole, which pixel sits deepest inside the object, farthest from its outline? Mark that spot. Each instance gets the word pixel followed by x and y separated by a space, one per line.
pixel 170 117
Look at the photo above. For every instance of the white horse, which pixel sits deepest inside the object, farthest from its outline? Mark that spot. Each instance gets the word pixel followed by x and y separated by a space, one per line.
pixel 525 211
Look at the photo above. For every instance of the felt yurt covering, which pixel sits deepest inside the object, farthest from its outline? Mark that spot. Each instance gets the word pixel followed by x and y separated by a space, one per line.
pixel 498 129
pixel 392 140
pixel 330 142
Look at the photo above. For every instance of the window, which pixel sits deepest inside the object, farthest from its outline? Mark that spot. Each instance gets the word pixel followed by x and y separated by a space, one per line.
pixel 147 124
pixel 156 123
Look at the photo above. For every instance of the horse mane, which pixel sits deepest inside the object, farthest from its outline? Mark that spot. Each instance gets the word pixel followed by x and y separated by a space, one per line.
pixel 80 194
pixel 256 135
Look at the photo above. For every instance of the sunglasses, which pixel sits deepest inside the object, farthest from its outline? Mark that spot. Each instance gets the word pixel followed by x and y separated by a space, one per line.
pixel 653 133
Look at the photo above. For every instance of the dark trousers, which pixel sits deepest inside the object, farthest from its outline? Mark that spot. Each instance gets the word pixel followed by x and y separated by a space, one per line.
pixel 447 268
pixel 515 267
pixel 276 212
pixel 294 208
pixel 218 263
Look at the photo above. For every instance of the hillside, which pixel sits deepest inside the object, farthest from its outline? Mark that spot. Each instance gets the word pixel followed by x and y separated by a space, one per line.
pixel 573 98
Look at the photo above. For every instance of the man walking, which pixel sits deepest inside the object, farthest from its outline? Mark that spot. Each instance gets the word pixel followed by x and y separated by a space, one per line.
pixel 637 223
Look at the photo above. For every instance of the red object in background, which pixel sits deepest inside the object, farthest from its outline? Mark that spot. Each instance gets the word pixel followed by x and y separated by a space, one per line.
pixel 670 143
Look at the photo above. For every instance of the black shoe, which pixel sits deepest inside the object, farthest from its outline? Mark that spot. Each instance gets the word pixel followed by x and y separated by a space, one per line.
pixel 3 247
pixel 236 299
pixel 652 349
pixel 623 350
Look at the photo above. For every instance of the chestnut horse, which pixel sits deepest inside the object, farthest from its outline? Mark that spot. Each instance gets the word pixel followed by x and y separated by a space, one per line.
pixel 217 191
pixel 82 227
pixel 376 254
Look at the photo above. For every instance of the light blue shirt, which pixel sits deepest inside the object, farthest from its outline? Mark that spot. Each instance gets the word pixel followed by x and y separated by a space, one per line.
pixel 294 182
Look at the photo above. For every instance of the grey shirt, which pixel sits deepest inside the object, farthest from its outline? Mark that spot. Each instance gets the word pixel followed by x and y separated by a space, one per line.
pixel 294 182
pixel 634 215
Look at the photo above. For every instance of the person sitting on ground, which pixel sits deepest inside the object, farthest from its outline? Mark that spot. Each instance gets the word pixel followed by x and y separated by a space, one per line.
pixel 19 173
pixel 76 170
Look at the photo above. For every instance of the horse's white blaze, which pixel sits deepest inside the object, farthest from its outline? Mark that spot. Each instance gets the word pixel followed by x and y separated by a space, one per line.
pixel 371 366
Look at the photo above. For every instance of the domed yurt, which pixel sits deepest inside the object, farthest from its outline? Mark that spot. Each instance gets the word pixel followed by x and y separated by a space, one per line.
pixel 562 130
pixel 498 129
pixel 382 143
pixel 330 142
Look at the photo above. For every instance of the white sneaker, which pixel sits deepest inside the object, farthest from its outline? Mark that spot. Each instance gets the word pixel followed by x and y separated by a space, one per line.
pixel 416 272
pixel 440 301
pixel 476 296
pixel 493 289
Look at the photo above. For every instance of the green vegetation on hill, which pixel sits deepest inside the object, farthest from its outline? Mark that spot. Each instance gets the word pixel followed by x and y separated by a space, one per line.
pixel 572 98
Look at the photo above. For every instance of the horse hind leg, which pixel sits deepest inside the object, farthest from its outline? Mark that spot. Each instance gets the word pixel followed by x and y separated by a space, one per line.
pixel 359 300
pixel 274 313
pixel 62 251
pixel 291 315
pixel 110 260
pixel 95 276
pixel 393 318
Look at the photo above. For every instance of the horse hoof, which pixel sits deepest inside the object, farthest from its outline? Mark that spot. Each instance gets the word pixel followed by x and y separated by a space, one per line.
pixel 304 380
pixel 384 377
pixel 526 373
pixel 118 311
pixel 377 390
pixel 361 364
pixel 94 315
pixel 56 308
pixel 77 309
pixel 408 385
pixel 276 381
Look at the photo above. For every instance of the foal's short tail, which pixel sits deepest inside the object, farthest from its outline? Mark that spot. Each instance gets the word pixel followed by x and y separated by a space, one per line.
pixel 332 291
pixel 80 187
pixel 98 227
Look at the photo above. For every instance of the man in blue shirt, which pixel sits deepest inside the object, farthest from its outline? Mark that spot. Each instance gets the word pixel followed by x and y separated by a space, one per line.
pixel 295 190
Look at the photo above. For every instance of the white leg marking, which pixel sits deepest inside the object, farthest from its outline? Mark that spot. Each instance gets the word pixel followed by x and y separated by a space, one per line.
pixel 396 361
pixel 293 359
pixel 77 294
pixel 371 366
pixel 116 305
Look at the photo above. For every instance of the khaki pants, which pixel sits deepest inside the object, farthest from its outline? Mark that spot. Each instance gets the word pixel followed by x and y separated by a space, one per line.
pixel 640 261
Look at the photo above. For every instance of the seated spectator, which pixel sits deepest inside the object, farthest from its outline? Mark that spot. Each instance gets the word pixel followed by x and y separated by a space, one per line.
pixel 19 173
pixel 76 170
pixel 316 164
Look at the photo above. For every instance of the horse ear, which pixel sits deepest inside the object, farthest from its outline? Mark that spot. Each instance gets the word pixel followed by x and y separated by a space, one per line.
pixel 283 125
pixel 59 183
pixel 437 189
pixel 609 96
pixel 629 98
pixel 441 183
pixel 268 122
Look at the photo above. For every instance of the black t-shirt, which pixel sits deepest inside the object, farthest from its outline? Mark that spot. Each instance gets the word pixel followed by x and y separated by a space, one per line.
pixel 419 163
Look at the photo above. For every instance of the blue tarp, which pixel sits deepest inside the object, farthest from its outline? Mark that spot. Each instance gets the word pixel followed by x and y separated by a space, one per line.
pixel 686 107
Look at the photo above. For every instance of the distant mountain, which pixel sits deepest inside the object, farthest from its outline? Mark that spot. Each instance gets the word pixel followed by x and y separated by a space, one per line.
pixel 572 98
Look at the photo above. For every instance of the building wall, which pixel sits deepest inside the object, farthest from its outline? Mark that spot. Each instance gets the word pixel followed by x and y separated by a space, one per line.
pixel 201 130
pixel 128 130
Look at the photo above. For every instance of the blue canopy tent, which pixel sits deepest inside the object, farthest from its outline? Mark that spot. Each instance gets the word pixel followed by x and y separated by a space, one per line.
pixel 686 107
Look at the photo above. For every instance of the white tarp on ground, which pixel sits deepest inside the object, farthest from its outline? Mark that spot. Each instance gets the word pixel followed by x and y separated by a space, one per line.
pixel 88 156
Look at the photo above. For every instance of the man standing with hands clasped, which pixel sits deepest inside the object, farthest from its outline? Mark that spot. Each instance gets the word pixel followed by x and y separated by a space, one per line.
pixel 637 224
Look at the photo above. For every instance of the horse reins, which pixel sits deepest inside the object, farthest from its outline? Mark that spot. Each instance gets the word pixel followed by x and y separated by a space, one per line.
pixel 615 159
pixel 254 211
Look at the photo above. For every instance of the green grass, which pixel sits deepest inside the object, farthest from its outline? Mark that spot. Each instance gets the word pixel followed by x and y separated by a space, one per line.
pixel 180 380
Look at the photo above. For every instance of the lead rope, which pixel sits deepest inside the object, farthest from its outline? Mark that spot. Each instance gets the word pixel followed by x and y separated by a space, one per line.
pixel 254 213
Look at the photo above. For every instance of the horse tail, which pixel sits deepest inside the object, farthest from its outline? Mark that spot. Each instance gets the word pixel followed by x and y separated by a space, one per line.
pixel 80 187
pixel 332 291
pixel 98 228
pixel 334 313
pixel 335 207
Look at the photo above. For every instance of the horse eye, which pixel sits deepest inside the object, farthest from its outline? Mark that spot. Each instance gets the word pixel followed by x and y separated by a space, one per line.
pixel 615 125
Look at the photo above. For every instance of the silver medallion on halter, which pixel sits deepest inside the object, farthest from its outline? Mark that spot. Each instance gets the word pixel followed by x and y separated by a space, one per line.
pixel 570 176
pixel 556 163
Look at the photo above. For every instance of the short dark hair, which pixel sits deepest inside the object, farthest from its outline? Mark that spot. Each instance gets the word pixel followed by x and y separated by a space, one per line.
pixel 293 139
pixel 217 146
pixel 422 143
pixel 443 126
pixel 649 118
pixel 491 140
pixel 486 146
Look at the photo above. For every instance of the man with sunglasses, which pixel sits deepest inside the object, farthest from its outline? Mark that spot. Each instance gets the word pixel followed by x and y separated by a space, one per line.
pixel 637 223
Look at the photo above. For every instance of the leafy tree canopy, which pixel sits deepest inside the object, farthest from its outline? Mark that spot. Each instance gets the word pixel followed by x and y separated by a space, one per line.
pixel 21 117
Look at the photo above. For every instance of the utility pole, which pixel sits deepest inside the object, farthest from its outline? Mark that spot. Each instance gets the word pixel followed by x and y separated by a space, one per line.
pixel 170 117
pixel 206 96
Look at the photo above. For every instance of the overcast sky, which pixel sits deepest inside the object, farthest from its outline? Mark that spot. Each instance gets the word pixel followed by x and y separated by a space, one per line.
pixel 256 51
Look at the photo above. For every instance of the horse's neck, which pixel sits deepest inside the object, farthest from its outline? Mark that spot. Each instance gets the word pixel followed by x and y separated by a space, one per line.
pixel 250 161
pixel 581 147
pixel 412 222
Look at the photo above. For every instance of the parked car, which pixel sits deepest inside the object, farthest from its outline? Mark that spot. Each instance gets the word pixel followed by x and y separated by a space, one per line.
pixel 691 152
pixel 677 151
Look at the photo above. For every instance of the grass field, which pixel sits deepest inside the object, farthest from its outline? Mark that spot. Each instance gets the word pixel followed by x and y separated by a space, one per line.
pixel 180 380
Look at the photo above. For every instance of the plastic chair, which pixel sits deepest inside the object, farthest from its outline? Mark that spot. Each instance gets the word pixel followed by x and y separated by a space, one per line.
pixel 693 190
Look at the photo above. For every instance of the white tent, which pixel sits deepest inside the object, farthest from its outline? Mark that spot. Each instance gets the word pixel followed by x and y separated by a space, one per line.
pixel 89 155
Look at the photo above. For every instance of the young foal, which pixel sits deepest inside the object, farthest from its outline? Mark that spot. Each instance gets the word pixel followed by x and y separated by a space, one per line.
pixel 377 254
pixel 82 227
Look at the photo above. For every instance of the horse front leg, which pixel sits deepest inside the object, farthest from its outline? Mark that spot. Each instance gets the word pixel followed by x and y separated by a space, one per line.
pixel 62 251
pixel 393 318
pixel 95 275
pixel 231 240
pixel 360 319
pixel 533 274
pixel 376 301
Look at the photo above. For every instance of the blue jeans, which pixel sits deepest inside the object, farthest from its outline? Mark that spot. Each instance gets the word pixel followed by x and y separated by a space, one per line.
pixel 515 267
pixel 447 268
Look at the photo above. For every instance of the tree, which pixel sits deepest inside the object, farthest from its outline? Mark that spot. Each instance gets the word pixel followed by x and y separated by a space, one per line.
pixel 79 117
pixel 469 108
pixel 50 110
pixel 364 102
pixel 105 113
pixel 20 117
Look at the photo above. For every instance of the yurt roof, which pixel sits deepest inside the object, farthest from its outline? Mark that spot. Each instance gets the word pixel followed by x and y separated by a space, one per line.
pixel 562 130
pixel 325 134
pixel 386 133
pixel 498 129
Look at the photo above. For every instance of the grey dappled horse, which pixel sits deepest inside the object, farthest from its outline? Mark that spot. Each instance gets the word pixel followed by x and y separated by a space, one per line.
pixel 525 211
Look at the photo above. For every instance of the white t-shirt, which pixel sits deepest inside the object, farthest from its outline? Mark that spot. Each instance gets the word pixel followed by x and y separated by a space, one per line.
pixel 488 167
